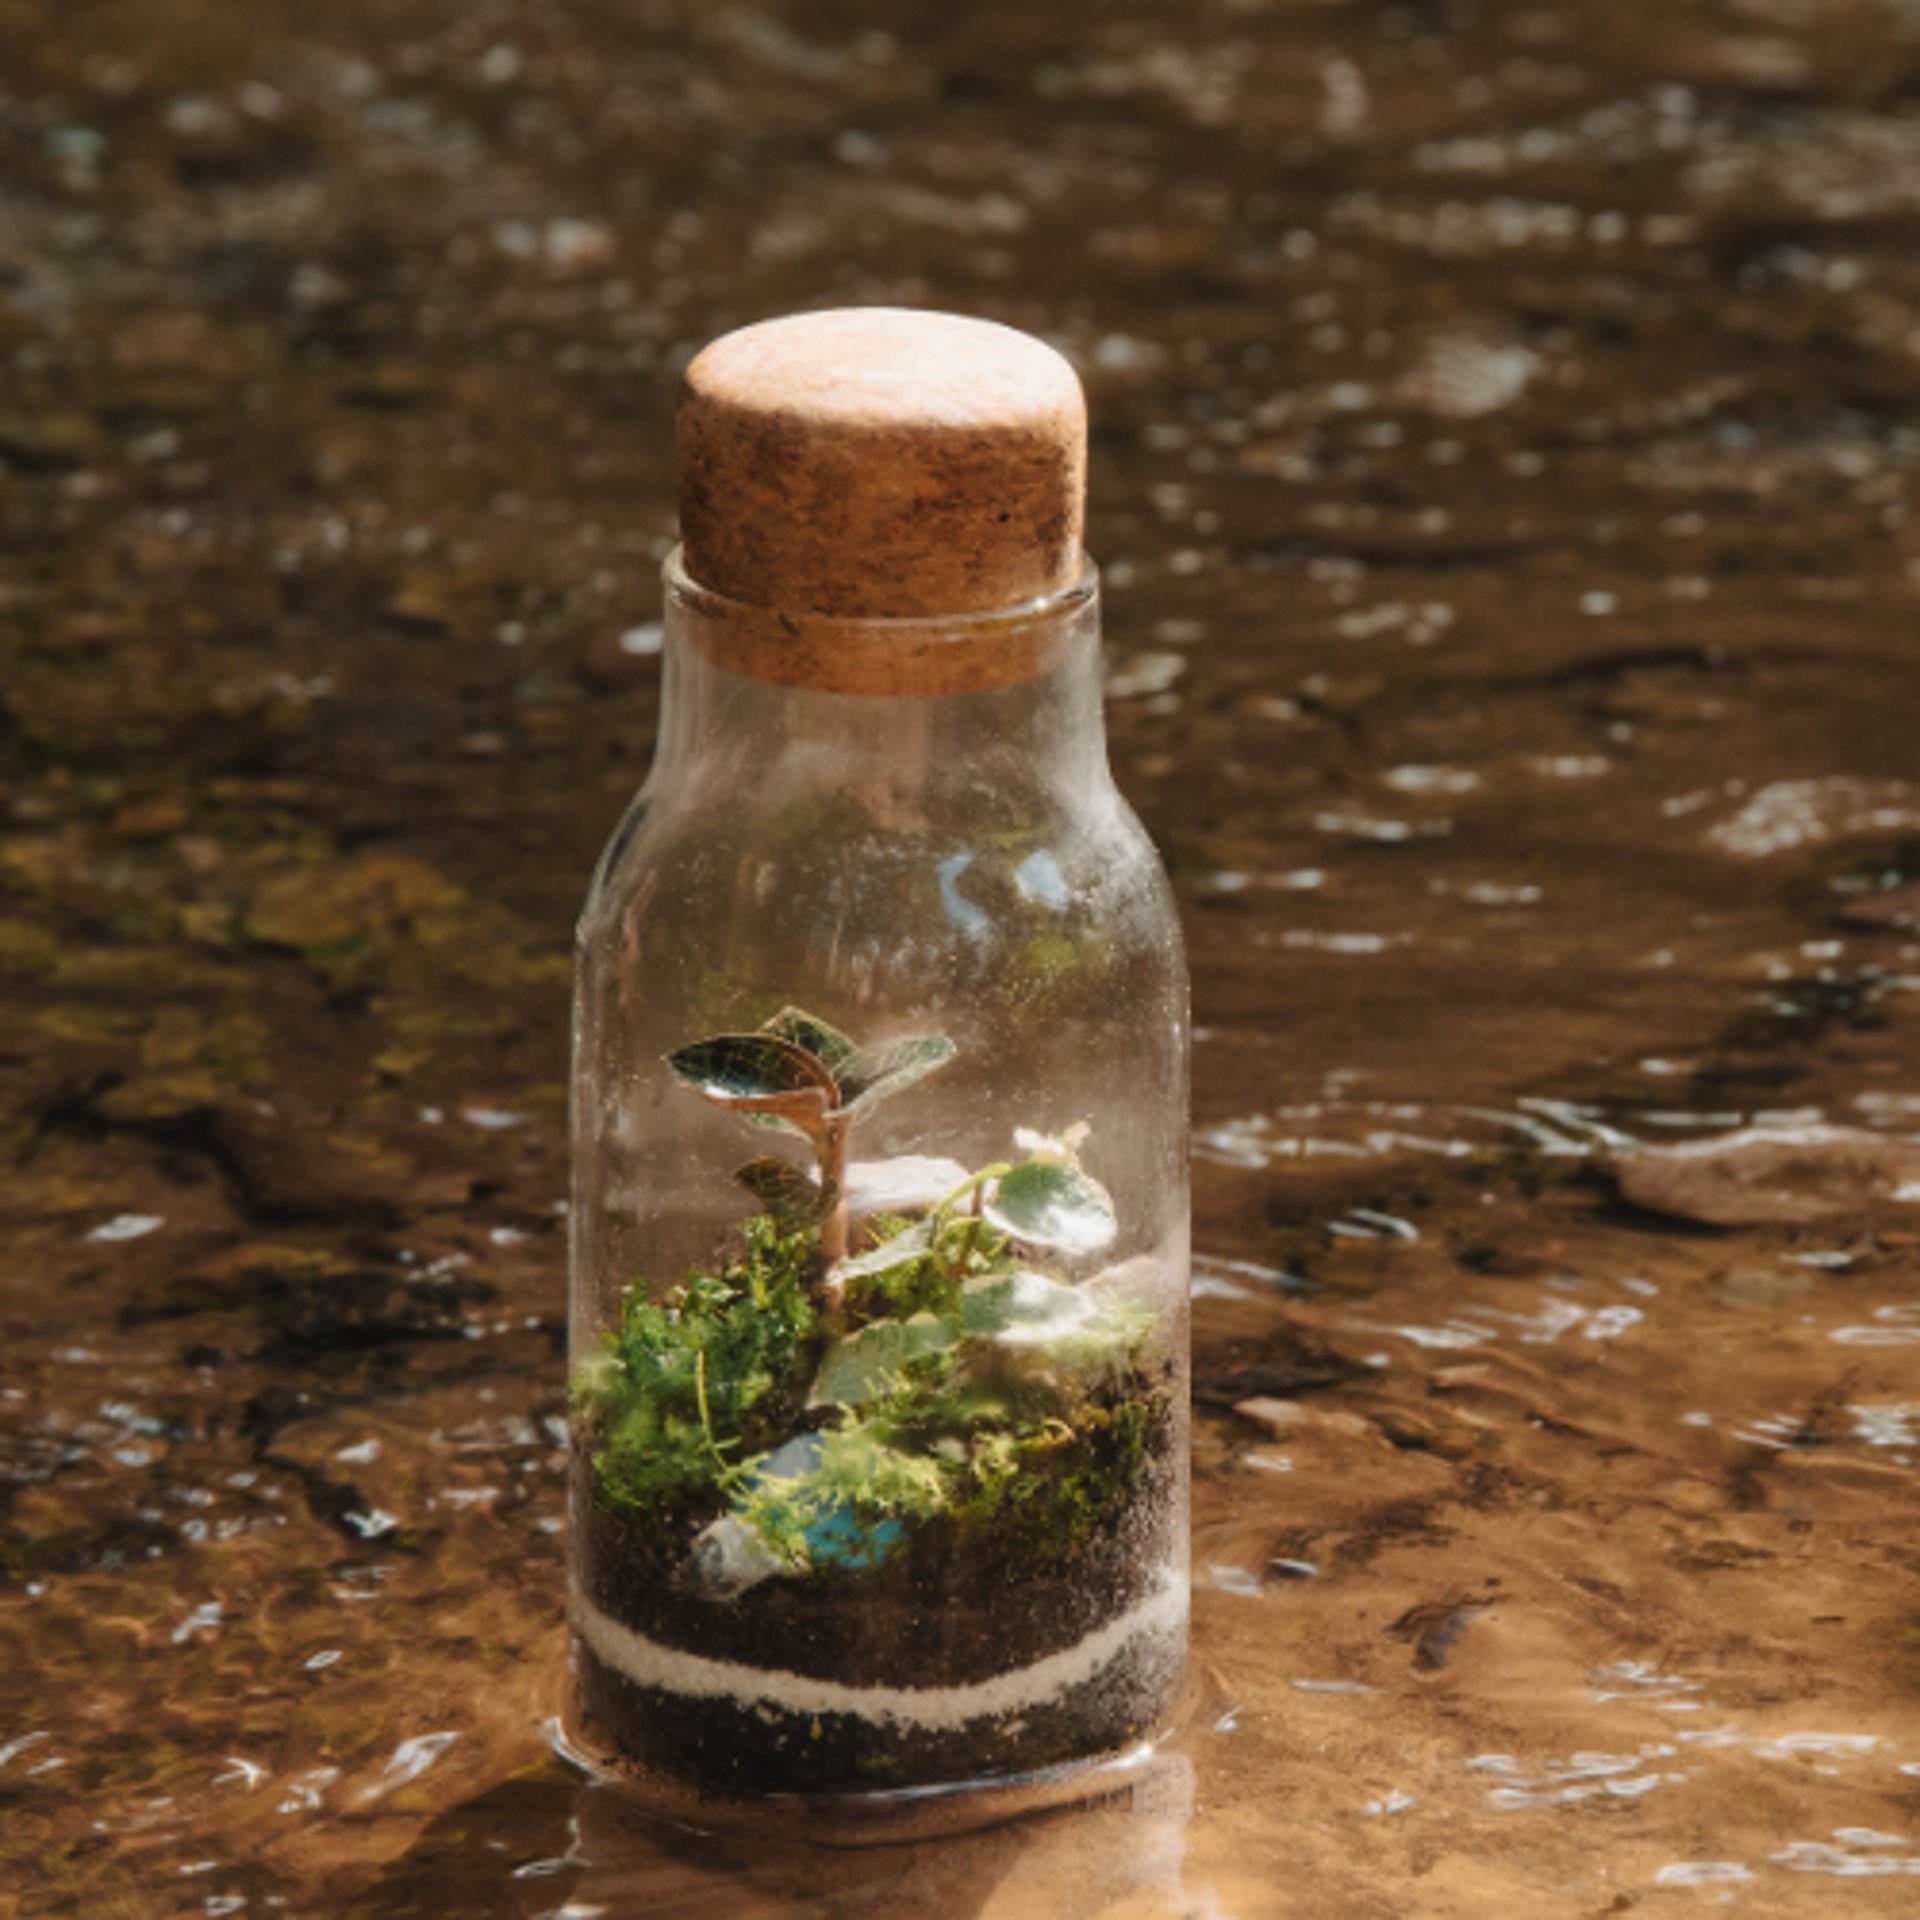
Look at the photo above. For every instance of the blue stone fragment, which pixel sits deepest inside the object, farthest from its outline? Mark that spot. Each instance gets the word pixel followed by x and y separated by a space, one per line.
pixel 838 1537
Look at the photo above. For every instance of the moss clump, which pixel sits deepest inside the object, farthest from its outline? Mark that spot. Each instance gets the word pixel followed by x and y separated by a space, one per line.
pixel 851 1507
pixel 696 1402
pixel 685 1389
pixel 1045 1489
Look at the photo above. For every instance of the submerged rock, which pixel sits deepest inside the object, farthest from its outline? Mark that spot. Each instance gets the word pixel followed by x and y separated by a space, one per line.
pixel 365 1308
pixel 1762 1288
pixel 1767 1176
pixel 1896 909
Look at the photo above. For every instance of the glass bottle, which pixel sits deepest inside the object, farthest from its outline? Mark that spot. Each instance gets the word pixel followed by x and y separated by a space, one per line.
pixel 880 1216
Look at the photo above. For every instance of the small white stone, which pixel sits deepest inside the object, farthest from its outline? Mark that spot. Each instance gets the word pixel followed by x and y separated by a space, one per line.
pixel 127 1226
pixel 728 1558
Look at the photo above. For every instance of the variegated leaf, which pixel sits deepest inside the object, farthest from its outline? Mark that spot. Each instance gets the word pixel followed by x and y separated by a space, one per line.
pixel 867 1364
pixel 1023 1308
pixel 827 1044
pixel 907 1248
pixel 794 1200
pixel 1049 1205
pixel 877 1073
pixel 757 1073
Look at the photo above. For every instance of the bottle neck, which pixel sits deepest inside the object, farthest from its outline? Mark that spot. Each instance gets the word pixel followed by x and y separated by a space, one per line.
pixel 903 720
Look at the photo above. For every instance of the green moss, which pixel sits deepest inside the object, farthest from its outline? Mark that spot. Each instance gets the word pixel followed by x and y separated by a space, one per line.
pixel 840 1400
pixel 1043 1484
pixel 1035 1461
pixel 27 950
pixel 685 1389
pixel 858 1474
pixel 691 1396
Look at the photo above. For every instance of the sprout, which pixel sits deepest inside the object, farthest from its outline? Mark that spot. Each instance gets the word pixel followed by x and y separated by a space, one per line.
pixel 803 1076
pixel 1051 1149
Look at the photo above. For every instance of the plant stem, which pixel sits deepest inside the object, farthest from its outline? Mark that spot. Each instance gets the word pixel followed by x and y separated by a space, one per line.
pixel 706 1418
pixel 833 1174
pixel 974 1183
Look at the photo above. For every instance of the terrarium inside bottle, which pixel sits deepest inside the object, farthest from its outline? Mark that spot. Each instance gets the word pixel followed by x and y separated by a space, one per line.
pixel 879 1290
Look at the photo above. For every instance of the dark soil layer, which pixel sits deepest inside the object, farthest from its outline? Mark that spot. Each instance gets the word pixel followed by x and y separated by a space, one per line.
pixel 956 1606
pixel 723 1748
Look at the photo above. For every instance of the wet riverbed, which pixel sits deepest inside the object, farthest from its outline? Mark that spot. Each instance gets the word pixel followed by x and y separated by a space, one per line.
pixel 1505 426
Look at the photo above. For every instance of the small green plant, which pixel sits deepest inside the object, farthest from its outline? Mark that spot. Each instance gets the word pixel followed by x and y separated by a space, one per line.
pixel 802 1075
pixel 822 1405
pixel 954 1279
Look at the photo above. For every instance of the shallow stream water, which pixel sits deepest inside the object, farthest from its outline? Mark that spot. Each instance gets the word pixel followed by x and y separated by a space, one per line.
pixel 1505 427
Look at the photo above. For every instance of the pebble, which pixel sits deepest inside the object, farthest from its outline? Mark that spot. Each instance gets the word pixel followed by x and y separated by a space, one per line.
pixel 1290 1418
pixel 1763 1176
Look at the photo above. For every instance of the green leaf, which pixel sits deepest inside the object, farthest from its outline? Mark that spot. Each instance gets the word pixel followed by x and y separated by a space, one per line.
pixel 1031 1314
pixel 799 1028
pixel 758 1074
pixel 907 1248
pixel 869 1363
pixel 1023 1309
pixel 1049 1205
pixel 794 1200
pixel 879 1072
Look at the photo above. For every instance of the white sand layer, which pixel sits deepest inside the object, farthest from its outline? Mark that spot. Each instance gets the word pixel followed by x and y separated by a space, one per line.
pixel 1162 1616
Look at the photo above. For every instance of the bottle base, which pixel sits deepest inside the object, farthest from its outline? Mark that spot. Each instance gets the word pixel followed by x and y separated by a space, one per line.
pixel 760 1730
pixel 895 1816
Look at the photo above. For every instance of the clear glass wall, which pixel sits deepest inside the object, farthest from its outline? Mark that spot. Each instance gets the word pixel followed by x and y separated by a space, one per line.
pixel 879 1315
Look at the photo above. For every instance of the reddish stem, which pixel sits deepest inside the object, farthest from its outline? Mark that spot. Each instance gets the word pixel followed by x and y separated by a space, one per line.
pixel 833 1173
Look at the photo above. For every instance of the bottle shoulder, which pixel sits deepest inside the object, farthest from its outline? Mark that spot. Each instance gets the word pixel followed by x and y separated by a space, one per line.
pixel 961 881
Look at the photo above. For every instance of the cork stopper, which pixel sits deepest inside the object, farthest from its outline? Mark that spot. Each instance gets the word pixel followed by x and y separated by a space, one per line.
pixel 881 463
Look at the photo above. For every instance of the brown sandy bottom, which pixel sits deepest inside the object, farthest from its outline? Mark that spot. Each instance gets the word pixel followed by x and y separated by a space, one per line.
pixel 1568 1646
